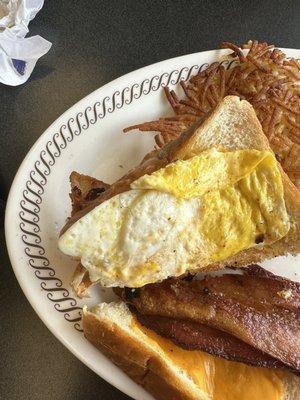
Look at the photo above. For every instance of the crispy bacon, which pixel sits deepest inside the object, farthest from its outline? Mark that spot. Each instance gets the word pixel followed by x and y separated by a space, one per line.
pixel 195 336
pixel 84 189
pixel 256 307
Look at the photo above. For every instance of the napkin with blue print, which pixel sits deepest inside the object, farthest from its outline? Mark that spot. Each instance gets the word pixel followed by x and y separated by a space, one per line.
pixel 18 53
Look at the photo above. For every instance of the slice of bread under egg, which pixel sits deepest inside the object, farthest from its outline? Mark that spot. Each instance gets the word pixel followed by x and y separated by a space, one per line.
pixel 232 126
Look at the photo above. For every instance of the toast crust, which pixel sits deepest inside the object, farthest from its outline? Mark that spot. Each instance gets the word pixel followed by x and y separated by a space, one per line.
pixel 136 360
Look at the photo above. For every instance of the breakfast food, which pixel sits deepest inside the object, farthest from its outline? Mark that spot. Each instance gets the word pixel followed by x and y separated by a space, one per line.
pixel 258 73
pixel 234 304
pixel 209 197
pixel 215 196
pixel 84 189
pixel 172 373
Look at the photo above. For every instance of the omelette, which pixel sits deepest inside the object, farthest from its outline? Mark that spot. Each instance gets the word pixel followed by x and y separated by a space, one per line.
pixel 193 211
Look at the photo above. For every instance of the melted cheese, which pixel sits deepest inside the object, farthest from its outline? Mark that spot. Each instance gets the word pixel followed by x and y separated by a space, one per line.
pixel 218 378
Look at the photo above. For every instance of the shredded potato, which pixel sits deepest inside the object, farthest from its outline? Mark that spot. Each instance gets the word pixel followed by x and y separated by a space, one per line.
pixel 259 73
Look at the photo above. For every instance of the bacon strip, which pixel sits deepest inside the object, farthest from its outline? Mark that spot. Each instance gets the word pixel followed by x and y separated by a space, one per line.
pixel 258 308
pixel 195 336
pixel 84 189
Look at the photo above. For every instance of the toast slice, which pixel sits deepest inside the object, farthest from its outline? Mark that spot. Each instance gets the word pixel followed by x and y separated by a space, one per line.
pixel 148 360
pixel 232 126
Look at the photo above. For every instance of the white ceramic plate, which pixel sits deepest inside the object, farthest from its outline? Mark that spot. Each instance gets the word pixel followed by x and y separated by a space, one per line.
pixel 88 138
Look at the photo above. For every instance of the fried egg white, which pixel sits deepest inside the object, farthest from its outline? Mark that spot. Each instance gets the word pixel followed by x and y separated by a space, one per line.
pixel 191 212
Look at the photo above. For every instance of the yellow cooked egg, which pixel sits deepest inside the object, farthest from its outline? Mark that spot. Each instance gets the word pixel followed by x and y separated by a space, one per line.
pixel 211 170
pixel 191 212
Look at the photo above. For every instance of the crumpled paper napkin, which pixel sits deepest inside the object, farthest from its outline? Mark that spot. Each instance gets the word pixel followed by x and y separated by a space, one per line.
pixel 19 54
